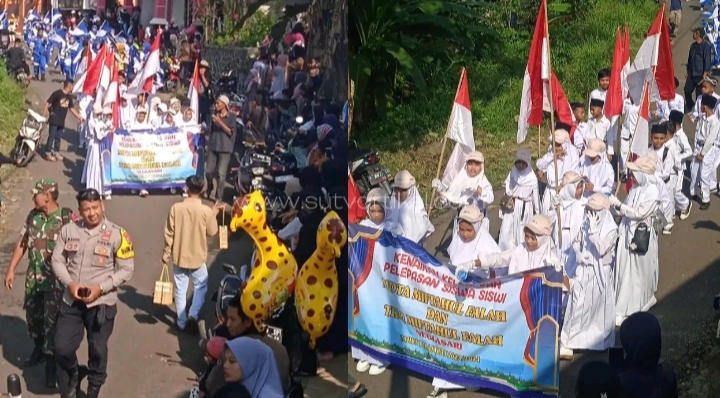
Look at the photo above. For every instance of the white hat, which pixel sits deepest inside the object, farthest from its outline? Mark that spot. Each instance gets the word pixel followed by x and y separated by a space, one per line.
pixel 471 214
pixel 174 101
pixel 598 202
pixel 540 225
pixel 644 164
pixel 403 180
pixel 595 147
pixel 107 111
pixel 475 156
pixel 97 108
pixel 224 99
pixel 141 109
pixel 162 108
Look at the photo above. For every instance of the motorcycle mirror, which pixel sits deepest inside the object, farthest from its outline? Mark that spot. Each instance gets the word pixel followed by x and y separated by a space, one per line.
pixel 299 120
pixel 229 268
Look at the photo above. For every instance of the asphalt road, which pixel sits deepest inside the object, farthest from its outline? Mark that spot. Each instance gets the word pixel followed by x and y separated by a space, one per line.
pixel 689 279
pixel 148 358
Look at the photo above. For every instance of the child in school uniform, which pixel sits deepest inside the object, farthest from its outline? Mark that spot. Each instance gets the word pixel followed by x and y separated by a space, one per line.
pixel 702 170
pixel 678 142
pixel 579 129
pixel 666 171
pixel 599 126
pixel 630 118
pixel 666 106
pixel 600 93
pixel 707 89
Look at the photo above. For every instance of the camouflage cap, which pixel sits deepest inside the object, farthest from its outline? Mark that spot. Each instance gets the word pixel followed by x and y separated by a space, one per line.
pixel 44 185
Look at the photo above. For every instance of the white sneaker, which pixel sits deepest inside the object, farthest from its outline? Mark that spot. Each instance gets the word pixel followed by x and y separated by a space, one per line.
pixel 108 196
pixel 566 353
pixel 362 366
pixel 668 229
pixel 437 392
pixel 686 213
pixel 144 192
pixel 376 370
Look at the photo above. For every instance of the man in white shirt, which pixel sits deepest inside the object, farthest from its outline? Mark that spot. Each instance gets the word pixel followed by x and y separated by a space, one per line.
pixel 706 150
pixel 679 143
pixel 599 127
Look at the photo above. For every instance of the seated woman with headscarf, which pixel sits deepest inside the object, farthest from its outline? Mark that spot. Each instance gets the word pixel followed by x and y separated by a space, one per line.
pixel 251 364
pixel 596 169
pixel 521 201
pixel 590 315
pixel 537 251
pixel 644 376
pixel 637 254
pixel 408 217
pixel 571 203
pixel 470 241
pixel 470 186
pixel 567 160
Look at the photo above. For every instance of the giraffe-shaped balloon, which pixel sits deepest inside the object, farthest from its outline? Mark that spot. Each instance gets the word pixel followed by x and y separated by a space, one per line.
pixel 316 288
pixel 272 278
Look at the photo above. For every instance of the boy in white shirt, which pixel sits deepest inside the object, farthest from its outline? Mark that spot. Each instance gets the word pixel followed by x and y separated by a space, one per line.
pixel 708 89
pixel 666 170
pixel 665 107
pixel 579 129
pixel 599 126
pixel 679 142
pixel 703 166
pixel 603 84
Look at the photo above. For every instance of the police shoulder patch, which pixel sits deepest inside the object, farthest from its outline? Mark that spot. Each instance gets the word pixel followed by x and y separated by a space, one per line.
pixel 125 251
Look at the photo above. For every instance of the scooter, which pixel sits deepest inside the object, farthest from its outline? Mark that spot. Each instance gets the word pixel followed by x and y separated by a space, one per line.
pixel 367 171
pixel 172 82
pixel 27 139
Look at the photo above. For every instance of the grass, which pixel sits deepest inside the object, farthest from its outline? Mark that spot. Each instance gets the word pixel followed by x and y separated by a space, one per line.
pixel 12 100
pixel 410 137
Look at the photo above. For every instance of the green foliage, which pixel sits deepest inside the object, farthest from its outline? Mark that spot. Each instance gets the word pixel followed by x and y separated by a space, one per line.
pixel 12 114
pixel 252 32
pixel 408 137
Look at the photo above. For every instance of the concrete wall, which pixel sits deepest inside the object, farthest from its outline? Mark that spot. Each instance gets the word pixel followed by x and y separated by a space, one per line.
pixel 223 58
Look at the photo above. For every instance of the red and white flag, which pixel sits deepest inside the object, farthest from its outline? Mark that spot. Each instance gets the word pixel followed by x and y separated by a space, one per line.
pixel 460 130
pixel 152 65
pixel 654 59
pixel 94 72
pixel 537 83
pixel 193 92
pixel 112 97
pixel 642 130
pixel 626 63
pixel 614 98
pixel 105 77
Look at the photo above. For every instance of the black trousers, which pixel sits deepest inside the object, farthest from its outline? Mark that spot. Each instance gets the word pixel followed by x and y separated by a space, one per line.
pixel 73 321
pixel 692 84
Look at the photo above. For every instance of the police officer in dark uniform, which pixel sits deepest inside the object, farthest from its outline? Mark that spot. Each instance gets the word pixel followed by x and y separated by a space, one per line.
pixel 92 257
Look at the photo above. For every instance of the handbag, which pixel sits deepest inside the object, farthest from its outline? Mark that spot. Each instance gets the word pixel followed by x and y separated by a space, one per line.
pixel 641 239
pixel 163 294
pixel 507 203
pixel 223 234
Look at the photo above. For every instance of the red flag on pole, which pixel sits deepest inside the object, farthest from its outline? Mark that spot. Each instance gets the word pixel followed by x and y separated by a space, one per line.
pixel 614 99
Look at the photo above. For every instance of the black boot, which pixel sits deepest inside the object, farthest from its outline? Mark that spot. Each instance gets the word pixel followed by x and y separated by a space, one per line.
pixel 50 372
pixel 42 77
pixel 71 389
pixel 37 355
pixel 93 391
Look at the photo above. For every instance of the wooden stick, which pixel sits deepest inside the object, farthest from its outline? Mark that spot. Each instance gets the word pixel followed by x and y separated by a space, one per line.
pixel 552 126
pixel 444 143
pixel 539 140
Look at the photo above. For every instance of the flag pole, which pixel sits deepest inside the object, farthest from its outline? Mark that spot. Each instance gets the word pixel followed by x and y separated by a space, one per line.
pixel 552 124
pixel 539 139
pixel 444 143
pixel 646 91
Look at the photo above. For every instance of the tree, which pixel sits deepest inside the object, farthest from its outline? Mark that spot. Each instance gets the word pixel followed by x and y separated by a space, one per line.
pixel 327 41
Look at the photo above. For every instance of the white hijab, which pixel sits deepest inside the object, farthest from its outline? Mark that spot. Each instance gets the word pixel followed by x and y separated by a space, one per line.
pixel 464 187
pixel 565 163
pixel 522 183
pixel 409 217
pixel 523 259
pixel 594 222
pixel 645 190
pixel 573 211
pixel 462 252
pixel 595 171
pixel 367 222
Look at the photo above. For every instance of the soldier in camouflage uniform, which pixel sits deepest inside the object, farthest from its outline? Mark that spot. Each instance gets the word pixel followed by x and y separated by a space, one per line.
pixel 43 291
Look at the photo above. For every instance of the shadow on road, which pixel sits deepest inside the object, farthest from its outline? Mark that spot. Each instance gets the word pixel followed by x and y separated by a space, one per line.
pixel 16 346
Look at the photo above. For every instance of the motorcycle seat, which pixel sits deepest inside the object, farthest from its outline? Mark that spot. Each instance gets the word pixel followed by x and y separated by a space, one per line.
pixel 357 154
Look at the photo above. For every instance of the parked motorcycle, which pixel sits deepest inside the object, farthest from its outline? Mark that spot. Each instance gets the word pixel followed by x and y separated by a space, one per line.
pixel 367 171
pixel 172 75
pixel 21 77
pixel 27 139
pixel 227 83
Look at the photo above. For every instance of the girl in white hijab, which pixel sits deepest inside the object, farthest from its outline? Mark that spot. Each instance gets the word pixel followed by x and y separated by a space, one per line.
pixel 571 203
pixel 590 315
pixel 158 117
pixel 93 172
pixel 567 160
pixel 596 168
pixel 375 206
pixel 176 106
pixel 521 201
pixel 637 273
pixel 470 186
pixel 127 111
pixel 141 122
pixel 407 216
pixel 537 251
pixel 169 119
pixel 470 241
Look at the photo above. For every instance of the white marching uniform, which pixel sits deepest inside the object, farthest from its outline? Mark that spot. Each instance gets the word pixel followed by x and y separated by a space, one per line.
pixel 684 153
pixel 93 173
pixel 600 128
pixel 703 172
pixel 664 107
pixel 523 187
pixel 570 162
pixel 631 114
pixel 667 172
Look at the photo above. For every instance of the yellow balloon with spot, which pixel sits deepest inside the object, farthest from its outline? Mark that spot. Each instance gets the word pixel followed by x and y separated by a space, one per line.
pixel 272 278
pixel 316 286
